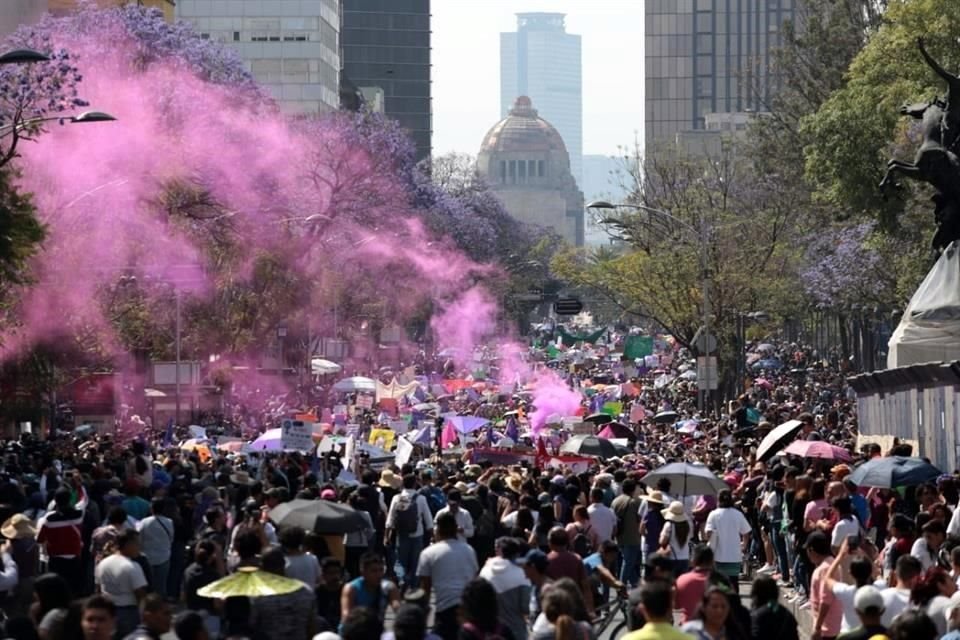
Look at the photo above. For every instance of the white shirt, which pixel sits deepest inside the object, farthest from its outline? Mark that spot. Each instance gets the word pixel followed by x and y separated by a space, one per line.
pixel 725 526
pixel 603 519
pixel 156 538
pixel 953 529
pixel 844 529
pixel 844 593
pixel 677 551
pixel 119 577
pixel 895 602
pixel 921 551
pixel 464 521
pixel 509 520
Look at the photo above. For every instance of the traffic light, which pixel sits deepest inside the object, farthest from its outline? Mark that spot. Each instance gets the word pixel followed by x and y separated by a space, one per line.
pixel 567 306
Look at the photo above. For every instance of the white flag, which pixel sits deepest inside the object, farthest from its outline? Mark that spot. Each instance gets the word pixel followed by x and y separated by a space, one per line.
pixel 404 451
pixel 347 459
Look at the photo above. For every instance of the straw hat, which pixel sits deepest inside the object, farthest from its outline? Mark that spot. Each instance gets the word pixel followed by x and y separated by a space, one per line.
pixel 461 487
pixel 655 497
pixel 18 526
pixel 674 513
pixel 389 479
pixel 514 483
pixel 242 477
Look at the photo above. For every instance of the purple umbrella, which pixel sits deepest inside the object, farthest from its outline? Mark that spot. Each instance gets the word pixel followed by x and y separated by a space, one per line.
pixel 467 424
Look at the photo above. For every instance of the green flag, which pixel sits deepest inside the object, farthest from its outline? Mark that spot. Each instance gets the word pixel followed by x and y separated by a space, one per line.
pixel 569 339
pixel 637 347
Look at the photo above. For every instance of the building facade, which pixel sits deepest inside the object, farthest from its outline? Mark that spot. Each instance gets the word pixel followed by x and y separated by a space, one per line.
pixel 386 53
pixel 17 12
pixel 524 160
pixel 707 57
pixel 292 48
pixel 541 60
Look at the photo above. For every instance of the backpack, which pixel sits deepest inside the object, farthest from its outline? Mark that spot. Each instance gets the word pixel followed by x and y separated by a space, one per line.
pixel 435 499
pixel 582 545
pixel 407 515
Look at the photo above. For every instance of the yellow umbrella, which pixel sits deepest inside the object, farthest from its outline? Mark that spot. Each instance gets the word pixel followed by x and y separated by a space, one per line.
pixel 250 582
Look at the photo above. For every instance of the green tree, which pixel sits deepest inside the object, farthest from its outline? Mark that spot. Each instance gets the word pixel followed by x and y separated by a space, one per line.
pixel 852 134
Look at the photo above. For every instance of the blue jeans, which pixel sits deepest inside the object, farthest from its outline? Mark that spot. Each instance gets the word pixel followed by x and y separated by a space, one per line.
pixel 630 570
pixel 780 551
pixel 408 553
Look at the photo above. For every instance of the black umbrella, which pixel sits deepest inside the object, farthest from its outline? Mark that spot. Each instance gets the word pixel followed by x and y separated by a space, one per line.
pixel 599 418
pixel 666 417
pixel 777 439
pixel 585 445
pixel 320 516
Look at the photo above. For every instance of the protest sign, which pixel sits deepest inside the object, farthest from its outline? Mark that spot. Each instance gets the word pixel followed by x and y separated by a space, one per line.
pixel 296 435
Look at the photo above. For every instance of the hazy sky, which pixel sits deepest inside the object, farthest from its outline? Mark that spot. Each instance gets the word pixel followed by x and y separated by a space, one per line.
pixel 466 68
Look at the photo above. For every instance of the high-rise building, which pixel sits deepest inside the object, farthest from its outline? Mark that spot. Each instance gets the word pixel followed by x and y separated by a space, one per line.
pixel 17 12
pixel 541 60
pixel 386 53
pixel 708 57
pixel 292 48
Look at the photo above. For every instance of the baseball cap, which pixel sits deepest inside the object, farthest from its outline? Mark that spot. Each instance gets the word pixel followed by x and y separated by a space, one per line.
pixel 535 558
pixel 328 494
pixel 866 598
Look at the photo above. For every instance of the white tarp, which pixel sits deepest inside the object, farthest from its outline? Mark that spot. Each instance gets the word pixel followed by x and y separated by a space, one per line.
pixel 930 328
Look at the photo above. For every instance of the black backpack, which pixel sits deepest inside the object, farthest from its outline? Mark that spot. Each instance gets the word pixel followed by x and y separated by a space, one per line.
pixel 582 545
pixel 407 515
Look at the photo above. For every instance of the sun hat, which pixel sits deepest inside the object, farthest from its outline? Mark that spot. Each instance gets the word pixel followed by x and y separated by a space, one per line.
pixel 18 526
pixel 674 513
pixel 868 597
pixel 461 487
pixel 514 483
pixel 389 479
pixel 242 477
pixel 655 497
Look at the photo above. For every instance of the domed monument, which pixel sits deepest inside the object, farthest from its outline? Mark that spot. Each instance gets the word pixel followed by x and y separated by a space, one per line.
pixel 525 162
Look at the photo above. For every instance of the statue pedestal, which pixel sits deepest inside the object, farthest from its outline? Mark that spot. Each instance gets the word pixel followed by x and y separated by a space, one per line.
pixel 930 328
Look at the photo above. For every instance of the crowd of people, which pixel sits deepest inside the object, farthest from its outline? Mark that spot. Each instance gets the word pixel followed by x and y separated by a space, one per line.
pixel 113 540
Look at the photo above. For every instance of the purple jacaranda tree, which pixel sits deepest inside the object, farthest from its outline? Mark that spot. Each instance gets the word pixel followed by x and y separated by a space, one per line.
pixel 845 268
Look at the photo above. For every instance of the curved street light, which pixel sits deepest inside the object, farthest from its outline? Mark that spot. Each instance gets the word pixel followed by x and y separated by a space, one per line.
pixel 23 56
pixel 86 116
pixel 702 237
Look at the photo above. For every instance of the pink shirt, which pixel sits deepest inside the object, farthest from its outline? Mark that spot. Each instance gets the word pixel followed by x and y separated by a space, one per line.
pixel 689 592
pixel 815 510
pixel 821 596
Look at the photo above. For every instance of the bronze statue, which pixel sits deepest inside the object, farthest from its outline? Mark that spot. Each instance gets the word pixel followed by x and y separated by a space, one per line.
pixel 937 161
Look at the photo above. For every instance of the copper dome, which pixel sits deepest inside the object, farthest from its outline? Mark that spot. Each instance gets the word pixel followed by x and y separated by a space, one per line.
pixel 523 130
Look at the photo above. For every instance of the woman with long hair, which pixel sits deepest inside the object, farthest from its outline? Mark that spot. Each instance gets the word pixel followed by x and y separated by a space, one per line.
pixel 931 594
pixel 478 610
pixel 541 531
pixel 802 570
pixel 710 620
pixel 51 603
pixel 559 609
pixel 768 619
pixel 675 536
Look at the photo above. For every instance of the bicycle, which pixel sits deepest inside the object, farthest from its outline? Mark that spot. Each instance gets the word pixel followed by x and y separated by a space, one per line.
pixel 606 615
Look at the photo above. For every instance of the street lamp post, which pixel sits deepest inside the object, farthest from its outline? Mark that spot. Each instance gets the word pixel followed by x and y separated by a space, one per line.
pixel 702 237
pixel 177 347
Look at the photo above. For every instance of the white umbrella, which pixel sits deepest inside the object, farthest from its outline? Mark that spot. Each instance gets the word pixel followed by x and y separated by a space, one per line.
pixel 356 383
pixel 322 367
pixel 689 375
pixel 154 393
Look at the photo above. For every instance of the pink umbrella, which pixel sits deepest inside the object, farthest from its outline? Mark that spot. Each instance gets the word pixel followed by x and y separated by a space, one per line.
pixel 817 449
pixel 763 383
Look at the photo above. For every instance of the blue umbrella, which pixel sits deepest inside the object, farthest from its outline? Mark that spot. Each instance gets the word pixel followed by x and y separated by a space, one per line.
pixel 768 363
pixel 467 424
pixel 894 471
